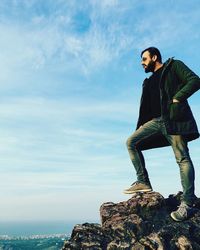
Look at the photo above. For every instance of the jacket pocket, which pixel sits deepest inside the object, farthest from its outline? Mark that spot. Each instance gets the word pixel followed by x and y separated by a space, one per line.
pixel 179 112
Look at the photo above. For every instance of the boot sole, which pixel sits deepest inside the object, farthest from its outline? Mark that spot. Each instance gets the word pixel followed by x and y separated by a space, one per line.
pixel 178 220
pixel 174 218
pixel 138 191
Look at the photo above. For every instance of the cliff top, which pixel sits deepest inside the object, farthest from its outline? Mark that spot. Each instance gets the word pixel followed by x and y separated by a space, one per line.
pixel 142 222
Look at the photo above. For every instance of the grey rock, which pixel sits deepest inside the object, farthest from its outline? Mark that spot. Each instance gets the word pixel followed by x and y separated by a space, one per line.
pixel 141 223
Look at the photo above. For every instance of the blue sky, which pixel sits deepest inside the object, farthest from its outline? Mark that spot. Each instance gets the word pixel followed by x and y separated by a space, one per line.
pixel 70 87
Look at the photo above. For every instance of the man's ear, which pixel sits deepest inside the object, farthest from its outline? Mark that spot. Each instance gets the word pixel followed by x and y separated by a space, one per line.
pixel 154 58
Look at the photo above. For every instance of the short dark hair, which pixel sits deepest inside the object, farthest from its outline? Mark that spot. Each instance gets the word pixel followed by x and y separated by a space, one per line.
pixel 153 51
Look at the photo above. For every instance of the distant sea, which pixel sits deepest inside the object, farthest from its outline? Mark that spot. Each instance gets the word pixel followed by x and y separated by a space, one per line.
pixel 29 228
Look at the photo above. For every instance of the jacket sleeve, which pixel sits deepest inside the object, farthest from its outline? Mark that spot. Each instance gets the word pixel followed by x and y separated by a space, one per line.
pixel 190 81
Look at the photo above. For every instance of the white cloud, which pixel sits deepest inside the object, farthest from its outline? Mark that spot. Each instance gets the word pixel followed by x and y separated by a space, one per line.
pixel 59 135
pixel 44 135
pixel 47 38
pixel 44 40
pixel 54 109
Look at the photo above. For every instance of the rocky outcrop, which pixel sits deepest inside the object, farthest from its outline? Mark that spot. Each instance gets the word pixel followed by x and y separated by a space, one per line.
pixel 141 223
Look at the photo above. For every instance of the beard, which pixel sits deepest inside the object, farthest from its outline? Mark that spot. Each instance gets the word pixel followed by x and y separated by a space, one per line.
pixel 150 67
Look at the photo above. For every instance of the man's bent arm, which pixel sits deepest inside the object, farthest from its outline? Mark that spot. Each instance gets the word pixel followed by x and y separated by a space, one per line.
pixel 189 78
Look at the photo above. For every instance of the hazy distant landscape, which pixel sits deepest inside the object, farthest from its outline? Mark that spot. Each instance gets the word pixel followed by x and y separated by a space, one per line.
pixel 31 235
pixel 39 243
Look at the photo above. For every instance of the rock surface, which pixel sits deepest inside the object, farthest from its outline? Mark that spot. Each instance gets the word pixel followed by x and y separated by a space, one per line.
pixel 140 223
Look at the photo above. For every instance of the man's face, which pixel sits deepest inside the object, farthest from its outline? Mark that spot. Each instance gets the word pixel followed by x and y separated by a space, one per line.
pixel 147 62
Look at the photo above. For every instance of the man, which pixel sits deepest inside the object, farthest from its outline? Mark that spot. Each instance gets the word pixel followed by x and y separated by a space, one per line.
pixel 165 118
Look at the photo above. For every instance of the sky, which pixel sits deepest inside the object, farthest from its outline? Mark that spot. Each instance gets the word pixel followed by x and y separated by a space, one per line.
pixel 70 87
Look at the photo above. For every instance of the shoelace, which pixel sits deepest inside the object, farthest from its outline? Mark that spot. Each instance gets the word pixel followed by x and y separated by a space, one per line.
pixel 182 209
pixel 135 183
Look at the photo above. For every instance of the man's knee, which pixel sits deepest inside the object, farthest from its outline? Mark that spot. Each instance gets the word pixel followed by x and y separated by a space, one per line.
pixel 179 143
pixel 130 143
pixel 183 159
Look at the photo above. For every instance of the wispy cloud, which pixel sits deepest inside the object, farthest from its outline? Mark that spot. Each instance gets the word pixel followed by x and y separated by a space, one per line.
pixel 42 135
pixel 53 33
pixel 56 36
pixel 70 88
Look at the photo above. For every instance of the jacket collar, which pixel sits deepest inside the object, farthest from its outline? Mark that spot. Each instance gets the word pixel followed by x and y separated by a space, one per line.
pixel 168 62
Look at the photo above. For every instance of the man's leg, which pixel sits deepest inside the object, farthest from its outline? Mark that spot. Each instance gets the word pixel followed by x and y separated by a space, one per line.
pixel 148 129
pixel 187 174
pixel 184 161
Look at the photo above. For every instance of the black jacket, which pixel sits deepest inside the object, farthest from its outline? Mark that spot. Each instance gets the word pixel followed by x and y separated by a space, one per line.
pixel 177 82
